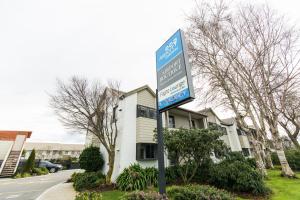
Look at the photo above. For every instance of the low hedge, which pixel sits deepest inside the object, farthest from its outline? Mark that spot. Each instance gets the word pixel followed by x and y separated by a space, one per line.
pixel 88 196
pixel 197 192
pixel 141 195
pixel 40 171
pixel 87 180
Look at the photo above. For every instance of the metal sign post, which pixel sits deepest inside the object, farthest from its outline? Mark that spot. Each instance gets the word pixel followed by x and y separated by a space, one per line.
pixel 160 152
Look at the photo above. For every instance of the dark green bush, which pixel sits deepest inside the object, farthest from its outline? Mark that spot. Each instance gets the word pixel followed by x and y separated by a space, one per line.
pixel 132 178
pixel 91 159
pixel 29 165
pixel 151 175
pixel 237 176
pixel 172 175
pixel 140 195
pixel 40 171
pixel 197 192
pixel 292 156
pixel 73 176
pixel 87 180
pixel 202 174
pixel 88 196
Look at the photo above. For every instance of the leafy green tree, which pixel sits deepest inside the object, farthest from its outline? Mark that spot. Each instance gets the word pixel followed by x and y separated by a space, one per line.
pixel 91 159
pixel 29 165
pixel 191 148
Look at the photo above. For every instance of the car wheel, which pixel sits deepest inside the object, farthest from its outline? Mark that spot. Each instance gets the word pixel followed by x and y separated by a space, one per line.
pixel 52 170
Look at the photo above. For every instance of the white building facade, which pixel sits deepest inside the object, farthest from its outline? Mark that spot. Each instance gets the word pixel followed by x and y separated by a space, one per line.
pixel 137 122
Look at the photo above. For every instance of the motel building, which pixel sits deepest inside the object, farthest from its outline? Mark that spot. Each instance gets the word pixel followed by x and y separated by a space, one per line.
pixel 11 147
pixel 137 121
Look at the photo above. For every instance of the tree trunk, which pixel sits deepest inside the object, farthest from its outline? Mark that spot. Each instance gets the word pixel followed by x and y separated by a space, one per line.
pixel 295 142
pixel 111 161
pixel 257 156
pixel 269 163
pixel 286 170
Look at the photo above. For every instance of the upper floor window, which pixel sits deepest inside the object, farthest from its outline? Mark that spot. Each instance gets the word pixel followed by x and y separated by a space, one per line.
pixel 171 121
pixel 144 111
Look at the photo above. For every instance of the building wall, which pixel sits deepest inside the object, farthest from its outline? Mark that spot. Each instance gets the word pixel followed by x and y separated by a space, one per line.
pixel 145 98
pixel 144 130
pixel 181 121
pixel 126 141
pixel 233 138
pixel 244 141
pixel 145 126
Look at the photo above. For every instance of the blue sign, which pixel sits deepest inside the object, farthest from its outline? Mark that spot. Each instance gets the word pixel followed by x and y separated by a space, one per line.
pixel 174 82
pixel 170 49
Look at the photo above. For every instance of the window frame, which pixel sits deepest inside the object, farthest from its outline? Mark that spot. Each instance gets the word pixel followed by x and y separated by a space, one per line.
pixel 173 121
pixel 142 153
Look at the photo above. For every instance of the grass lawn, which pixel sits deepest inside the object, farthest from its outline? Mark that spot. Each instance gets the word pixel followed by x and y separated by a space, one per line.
pixel 283 188
pixel 112 195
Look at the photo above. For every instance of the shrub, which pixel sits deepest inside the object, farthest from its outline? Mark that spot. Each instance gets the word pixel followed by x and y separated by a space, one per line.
pixel 140 195
pixel 251 162
pixel 88 196
pixel 91 159
pixel 29 165
pixel 197 192
pixel 132 178
pixel 190 147
pixel 22 175
pixel 151 176
pixel 237 176
pixel 292 156
pixel 172 174
pixel 40 171
pixel 202 174
pixel 73 176
pixel 88 180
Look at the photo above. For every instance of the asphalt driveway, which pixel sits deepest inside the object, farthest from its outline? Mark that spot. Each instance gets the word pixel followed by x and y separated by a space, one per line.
pixel 32 187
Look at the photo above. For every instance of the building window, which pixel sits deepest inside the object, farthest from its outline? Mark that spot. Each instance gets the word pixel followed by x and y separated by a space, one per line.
pixel 171 121
pixel 246 152
pixel 193 124
pixel 147 112
pixel 146 151
pixel 240 132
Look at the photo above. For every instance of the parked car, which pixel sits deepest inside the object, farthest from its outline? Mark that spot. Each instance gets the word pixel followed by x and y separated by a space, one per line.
pixel 50 166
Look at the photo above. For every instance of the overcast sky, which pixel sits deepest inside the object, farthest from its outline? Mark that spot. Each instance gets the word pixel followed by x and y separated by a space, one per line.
pixel 44 40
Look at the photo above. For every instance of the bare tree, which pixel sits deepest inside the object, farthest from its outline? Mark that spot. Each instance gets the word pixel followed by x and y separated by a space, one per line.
pixel 250 55
pixel 90 107
pixel 290 116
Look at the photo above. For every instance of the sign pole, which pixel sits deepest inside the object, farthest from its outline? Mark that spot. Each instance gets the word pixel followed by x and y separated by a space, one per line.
pixel 160 151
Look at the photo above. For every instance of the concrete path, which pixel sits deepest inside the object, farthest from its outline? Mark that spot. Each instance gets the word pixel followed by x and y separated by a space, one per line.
pixel 62 191
pixel 32 187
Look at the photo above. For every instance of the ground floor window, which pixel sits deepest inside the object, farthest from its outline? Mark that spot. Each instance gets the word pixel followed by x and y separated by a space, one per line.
pixel 246 152
pixel 146 151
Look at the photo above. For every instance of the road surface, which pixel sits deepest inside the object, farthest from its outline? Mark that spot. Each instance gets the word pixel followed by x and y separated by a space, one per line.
pixel 32 187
